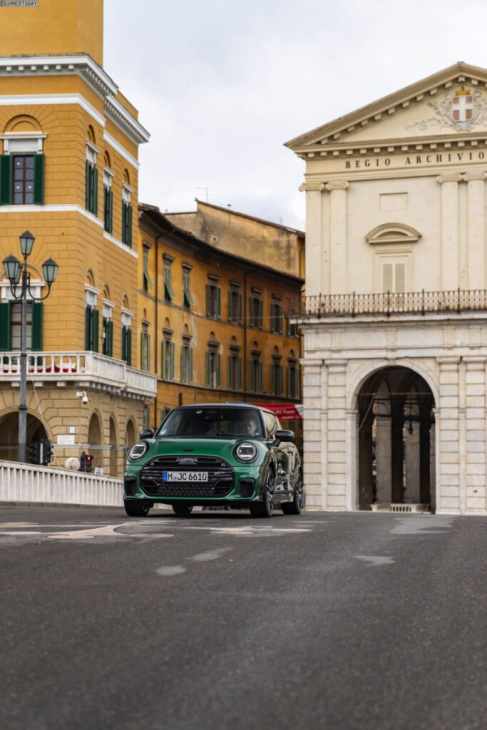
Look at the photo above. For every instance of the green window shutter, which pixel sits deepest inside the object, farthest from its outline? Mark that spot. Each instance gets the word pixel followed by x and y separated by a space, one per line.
pixel 149 368
pixel 190 354
pixel 110 338
pixel 95 191
pixel 39 179
pixel 239 373
pixel 88 318
pixel 37 326
pixel 208 300
pixel 207 369
pixel 218 301
pixel 110 218
pixel 260 371
pixel 229 372
pixel 218 370
pixel 87 184
pixel 229 306
pixel 129 223
pixel 124 344
pixel 142 348
pixel 182 356
pixel 129 347
pixel 5 326
pixel 239 307
pixel 163 358
pixel 6 180
pixel 96 330
pixel 173 359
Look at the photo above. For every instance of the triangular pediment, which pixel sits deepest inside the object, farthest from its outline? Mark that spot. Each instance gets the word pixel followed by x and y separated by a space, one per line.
pixel 445 105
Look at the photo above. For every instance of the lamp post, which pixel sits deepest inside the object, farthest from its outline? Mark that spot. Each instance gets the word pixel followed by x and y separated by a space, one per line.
pixel 19 278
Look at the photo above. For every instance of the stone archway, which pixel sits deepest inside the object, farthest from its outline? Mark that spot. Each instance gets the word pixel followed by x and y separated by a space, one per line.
pixel 9 434
pixel 113 449
pixel 396 429
pixel 95 439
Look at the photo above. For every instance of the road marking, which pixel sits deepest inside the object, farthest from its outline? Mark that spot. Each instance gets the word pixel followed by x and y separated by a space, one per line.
pixel 375 560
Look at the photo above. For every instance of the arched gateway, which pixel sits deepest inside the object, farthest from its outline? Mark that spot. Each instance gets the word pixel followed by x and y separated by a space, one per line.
pixel 395 439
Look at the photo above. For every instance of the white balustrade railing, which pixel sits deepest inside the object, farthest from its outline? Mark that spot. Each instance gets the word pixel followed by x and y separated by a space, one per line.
pixel 79 366
pixel 27 483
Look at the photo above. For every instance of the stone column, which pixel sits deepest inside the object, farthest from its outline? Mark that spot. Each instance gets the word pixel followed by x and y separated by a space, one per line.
pixel 365 484
pixel 338 247
pixel 314 238
pixel 383 455
pixel 475 427
pixel 449 456
pixel 432 471
pixel 450 275
pixel 338 479
pixel 476 230
pixel 315 479
pixel 412 464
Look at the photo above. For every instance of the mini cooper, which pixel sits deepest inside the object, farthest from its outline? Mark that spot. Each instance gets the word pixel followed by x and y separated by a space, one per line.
pixel 215 455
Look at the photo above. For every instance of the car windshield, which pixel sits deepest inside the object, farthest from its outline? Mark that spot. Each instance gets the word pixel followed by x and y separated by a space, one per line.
pixel 211 422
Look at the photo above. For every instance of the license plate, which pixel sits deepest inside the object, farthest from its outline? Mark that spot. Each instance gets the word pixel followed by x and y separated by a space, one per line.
pixel 184 476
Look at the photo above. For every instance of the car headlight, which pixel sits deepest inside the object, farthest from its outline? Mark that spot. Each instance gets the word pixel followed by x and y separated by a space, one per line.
pixel 245 451
pixel 138 450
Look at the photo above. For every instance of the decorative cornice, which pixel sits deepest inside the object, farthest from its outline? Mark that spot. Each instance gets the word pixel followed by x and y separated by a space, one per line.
pixel 450 177
pixel 337 185
pixel 478 175
pixel 315 187
pixel 123 119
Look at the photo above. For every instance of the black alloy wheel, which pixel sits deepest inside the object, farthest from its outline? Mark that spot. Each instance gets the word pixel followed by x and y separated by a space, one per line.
pixel 296 506
pixel 137 507
pixel 266 507
pixel 182 509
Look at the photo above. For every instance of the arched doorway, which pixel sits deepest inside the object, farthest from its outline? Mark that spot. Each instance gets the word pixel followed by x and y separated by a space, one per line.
pixel 94 439
pixel 396 426
pixel 113 449
pixel 9 434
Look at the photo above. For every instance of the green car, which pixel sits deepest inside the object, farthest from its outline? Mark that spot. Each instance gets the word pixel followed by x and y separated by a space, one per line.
pixel 232 455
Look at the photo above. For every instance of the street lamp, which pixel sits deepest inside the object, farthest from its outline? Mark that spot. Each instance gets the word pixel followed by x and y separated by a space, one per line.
pixel 17 273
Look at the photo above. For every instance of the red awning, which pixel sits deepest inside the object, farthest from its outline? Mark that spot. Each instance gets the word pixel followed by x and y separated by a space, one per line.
pixel 286 412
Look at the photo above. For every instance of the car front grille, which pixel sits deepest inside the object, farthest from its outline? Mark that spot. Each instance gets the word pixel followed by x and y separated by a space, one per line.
pixel 219 484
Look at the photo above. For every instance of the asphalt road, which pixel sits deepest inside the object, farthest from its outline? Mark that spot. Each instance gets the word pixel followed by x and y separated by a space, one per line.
pixel 330 621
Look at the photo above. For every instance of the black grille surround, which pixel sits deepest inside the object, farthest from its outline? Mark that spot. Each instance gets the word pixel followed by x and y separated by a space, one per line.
pixel 220 477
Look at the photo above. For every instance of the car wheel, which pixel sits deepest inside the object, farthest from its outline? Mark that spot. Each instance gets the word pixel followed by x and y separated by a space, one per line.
pixel 137 508
pixel 182 509
pixel 296 506
pixel 266 507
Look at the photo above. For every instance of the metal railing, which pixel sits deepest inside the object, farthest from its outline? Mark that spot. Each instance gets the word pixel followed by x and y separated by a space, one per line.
pixel 80 366
pixel 390 303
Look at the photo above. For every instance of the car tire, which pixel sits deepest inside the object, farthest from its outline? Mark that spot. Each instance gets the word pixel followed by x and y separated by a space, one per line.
pixel 266 507
pixel 295 507
pixel 182 509
pixel 137 507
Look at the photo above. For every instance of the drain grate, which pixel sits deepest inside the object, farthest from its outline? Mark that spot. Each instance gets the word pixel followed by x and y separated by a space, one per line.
pixel 411 508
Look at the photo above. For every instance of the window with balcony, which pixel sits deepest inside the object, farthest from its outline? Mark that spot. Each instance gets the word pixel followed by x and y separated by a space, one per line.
pixel 107 330
pixel 10 326
pixel 127 216
pixel 92 318
pixel 127 335
pixel 108 201
pixel 22 164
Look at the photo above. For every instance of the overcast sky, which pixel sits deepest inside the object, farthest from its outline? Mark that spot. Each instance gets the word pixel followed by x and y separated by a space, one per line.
pixel 221 85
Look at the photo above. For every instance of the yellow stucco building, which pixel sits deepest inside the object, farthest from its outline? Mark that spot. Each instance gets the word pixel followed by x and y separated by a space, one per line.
pixel 69 174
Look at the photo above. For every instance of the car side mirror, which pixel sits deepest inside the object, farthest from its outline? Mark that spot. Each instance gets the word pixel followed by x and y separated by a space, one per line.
pixel 147 433
pixel 285 435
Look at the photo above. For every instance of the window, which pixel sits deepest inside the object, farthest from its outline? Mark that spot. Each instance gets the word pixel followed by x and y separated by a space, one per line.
pixel 127 337
pixel 213 298
pixel 168 290
pixel 92 317
pixel 235 304
pixel 188 300
pixel 108 201
pixel 256 311
pixel 146 280
pixel 276 376
pixel 292 328
pixel 146 417
pixel 394 277
pixel 276 316
pixel 293 379
pixel 186 362
pixel 167 358
pixel 213 367
pixel 164 414
pixel 22 168
pixel 234 370
pixel 91 180
pixel 256 380
pixel 145 346
pixel 107 330
pixel 126 216
pixel 10 326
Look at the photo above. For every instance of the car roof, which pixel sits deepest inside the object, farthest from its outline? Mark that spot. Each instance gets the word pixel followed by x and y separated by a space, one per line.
pixel 247 406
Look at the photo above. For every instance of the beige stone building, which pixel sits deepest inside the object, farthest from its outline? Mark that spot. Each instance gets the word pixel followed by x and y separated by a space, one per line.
pixel 394 321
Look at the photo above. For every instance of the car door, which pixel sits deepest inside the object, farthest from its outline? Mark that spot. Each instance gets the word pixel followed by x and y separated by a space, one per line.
pixel 281 456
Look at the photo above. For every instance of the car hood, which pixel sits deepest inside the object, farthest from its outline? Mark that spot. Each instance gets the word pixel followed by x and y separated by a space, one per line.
pixel 214 446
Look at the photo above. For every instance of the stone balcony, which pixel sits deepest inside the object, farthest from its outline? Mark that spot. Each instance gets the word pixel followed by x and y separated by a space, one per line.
pixel 390 304
pixel 81 369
